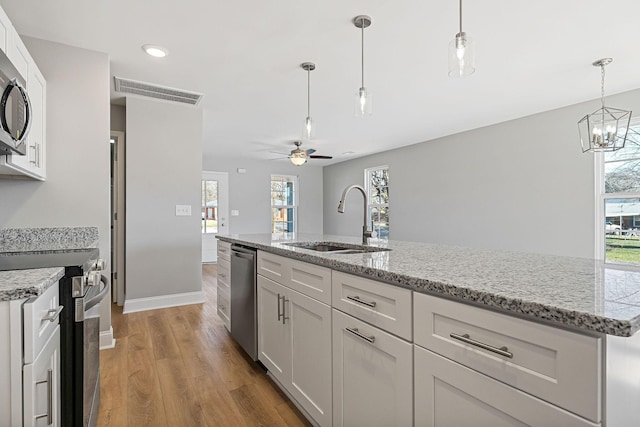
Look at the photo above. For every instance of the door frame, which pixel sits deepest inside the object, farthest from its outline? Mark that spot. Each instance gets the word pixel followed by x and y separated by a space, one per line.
pixel 118 216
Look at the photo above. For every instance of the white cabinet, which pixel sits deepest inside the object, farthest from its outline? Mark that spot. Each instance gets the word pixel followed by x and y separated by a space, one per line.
pixel 449 394
pixel 372 375
pixel 41 385
pixel 33 163
pixel 294 344
pixel 5 31
pixel 30 362
pixel 224 282
pixel 558 366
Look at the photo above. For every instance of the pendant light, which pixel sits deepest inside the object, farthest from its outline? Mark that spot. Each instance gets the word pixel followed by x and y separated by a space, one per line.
pixel 461 53
pixel 308 124
pixel 605 129
pixel 363 99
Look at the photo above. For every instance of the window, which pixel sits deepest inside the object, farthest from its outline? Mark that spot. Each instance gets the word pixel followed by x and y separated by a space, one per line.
pixel 619 238
pixel 209 206
pixel 283 203
pixel 377 186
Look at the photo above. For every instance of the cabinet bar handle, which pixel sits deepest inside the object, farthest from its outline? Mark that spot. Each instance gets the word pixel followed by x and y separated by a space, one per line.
pixel 357 299
pixel 53 314
pixel 279 313
pixel 355 332
pixel 502 351
pixel 284 316
pixel 49 413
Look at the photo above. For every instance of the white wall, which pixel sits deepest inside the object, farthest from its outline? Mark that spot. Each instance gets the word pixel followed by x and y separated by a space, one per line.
pixel 522 185
pixel 76 192
pixel 163 169
pixel 250 193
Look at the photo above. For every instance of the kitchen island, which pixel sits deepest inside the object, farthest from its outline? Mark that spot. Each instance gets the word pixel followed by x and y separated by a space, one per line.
pixel 593 308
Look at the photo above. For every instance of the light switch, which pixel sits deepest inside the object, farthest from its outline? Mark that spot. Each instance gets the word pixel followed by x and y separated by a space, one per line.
pixel 235 212
pixel 183 210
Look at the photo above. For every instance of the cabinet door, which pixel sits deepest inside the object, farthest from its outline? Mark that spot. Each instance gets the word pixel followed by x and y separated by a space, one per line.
pixel 449 394
pixel 6 31
pixel 372 375
pixel 273 335
pixel 41 386
pixel 310 325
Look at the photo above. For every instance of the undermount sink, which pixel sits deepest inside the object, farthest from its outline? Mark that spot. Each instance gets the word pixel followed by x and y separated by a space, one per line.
pixel 342 248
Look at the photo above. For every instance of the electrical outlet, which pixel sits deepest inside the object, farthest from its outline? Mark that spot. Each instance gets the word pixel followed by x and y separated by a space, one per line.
pixel 235 212
pixel 183 210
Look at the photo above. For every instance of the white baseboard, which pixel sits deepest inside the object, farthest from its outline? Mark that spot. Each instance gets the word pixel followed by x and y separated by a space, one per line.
pixel 106 339
pixel 162 301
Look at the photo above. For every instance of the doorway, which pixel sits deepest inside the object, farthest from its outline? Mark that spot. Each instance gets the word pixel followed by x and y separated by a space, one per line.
pixel 117 216
pixel 214 212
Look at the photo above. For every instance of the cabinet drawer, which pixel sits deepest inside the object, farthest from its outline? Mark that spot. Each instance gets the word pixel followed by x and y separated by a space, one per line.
pixel 382 305
pixel 311 280
pixel 224 308
pixel 561 367
pixel 41 316
pixel 224 272
pixel 449 394
pixel 224 250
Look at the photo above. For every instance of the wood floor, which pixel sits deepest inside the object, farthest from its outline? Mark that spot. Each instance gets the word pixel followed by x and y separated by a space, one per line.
pixel 179 367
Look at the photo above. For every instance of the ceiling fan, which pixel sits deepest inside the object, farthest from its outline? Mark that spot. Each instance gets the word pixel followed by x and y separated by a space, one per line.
pixel 299 157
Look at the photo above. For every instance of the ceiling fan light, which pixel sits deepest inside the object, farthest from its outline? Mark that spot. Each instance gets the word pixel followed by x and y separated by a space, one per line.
pixel 298 159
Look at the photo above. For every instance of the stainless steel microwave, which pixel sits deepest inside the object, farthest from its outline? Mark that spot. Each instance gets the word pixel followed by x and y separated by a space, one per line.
pixel 15 109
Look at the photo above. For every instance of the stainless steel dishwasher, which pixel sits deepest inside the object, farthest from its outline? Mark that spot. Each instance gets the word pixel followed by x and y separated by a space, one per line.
pixel 244 326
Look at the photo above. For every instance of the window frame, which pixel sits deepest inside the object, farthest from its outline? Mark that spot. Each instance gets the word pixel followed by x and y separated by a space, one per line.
pixel 294 207
pixel 601 196
pixel 370 205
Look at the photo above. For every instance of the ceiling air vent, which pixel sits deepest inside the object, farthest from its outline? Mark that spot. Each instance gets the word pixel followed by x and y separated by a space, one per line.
pixel 158 92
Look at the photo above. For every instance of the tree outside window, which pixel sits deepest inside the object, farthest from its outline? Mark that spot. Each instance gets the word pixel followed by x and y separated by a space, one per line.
pixel 377 187
pixel 283 204
pixel 621 201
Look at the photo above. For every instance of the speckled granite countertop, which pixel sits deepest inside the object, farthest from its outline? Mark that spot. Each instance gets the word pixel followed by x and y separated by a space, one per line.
pixel 52 238
pixel 573 292
pixel 18 284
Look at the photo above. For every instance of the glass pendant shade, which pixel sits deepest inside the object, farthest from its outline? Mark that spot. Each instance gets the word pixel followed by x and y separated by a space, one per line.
pixel 461 56
pixel 363 102
pixel 307 132
pixel 604 130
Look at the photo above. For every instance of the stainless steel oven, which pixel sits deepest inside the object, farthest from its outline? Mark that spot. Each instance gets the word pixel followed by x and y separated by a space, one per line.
pixel 80 290
pixel 15 109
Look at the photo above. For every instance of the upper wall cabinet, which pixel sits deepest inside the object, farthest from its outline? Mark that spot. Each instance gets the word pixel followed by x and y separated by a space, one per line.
pixel 33 163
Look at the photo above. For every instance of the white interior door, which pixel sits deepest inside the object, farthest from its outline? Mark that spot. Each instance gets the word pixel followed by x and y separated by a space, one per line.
pixel 215 212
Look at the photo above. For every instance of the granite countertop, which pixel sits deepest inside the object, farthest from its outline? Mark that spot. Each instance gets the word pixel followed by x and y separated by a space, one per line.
pixel 18 284
pixel 571 292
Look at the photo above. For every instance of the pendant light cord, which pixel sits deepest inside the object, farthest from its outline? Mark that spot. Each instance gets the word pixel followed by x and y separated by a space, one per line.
pixel 308 92
pixel 362 49
pixel 602 85
pixel 460 16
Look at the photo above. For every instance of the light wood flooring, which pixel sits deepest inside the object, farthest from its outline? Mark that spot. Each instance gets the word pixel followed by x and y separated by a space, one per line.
pixel 179 367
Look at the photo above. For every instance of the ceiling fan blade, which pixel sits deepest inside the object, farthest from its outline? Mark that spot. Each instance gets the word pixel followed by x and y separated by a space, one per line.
pixel 280 158
pixel 278 152
pixel 321 157
pixel 310 151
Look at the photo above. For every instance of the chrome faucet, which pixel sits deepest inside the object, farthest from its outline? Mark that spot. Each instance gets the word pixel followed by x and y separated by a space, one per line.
pixel 366 234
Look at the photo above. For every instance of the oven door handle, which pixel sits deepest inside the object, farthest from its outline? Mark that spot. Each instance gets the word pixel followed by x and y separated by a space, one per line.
pixel 83 306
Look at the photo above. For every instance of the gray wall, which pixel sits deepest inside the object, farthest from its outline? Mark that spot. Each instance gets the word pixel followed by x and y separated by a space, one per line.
pixel 250 193
pixel 163 169
pixel 76 192
pixel 522 185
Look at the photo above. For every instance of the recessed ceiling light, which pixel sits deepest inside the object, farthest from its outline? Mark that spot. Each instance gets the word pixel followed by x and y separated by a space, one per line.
pixel 154 50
